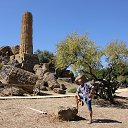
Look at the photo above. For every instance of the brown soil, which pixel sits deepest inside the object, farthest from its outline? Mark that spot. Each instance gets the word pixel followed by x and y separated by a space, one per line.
pixel 16 113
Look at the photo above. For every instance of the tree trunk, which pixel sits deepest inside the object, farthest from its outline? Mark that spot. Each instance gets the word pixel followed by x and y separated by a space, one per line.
pixel 109 93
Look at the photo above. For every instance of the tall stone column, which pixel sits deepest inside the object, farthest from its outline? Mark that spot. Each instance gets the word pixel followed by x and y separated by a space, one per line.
pixel 26 45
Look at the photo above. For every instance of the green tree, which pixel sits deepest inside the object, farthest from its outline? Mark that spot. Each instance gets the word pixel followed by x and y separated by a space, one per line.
pixel 125 82
pixel 116 55
pixel 44 56
pixel 81 54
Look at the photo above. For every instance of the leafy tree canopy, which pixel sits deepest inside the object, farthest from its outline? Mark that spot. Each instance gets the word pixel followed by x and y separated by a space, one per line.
pixel 116 56
pixel 79 53
pixel 44 56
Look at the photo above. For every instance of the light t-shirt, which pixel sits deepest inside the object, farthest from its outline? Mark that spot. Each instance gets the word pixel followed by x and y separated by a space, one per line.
pixel 85 90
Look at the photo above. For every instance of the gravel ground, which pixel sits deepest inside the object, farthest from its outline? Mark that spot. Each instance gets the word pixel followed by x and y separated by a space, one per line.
pixel 16 114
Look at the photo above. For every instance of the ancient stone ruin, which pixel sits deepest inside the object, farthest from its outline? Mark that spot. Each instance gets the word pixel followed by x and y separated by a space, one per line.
pixel 25 55
pixel 21 68
pixel 26 45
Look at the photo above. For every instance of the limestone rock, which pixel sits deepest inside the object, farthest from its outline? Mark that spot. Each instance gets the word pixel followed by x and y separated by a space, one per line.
pixel 50 78
pixel 14 63
pixel 15 49
pixel 59 91
pixel 65 74
pixel 66 79
pixel 40 70
pixel 40 73
pixel 40 84
pixel 67 113
pixel 27 88
pixel 17 91
pixel 36 66
pixel 7 91
pixel 62 86
pixel 6 51
pixel 11 74
pixel 28 61
pixel 45 67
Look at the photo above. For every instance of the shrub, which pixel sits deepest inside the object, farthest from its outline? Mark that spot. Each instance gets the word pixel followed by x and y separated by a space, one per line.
pixel 72 90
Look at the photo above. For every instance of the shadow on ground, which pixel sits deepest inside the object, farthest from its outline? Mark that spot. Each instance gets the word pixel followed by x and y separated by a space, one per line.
pixel 120 102
pixel 78 118
pixel 43 94
pixel 106 121
pixel 54 118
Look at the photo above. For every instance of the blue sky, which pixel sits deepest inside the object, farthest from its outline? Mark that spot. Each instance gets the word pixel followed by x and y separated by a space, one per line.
pixel 53 20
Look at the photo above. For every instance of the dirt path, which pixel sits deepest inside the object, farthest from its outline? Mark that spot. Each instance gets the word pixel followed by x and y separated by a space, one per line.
pixel 122 92
pixel 16 113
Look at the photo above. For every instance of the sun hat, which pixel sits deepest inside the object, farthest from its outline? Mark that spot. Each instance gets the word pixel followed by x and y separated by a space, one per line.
pixel 79 77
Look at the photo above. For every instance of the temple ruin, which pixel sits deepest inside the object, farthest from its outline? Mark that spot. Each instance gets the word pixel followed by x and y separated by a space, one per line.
pixel 21 69
pixel 25 55
pixel 26 45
